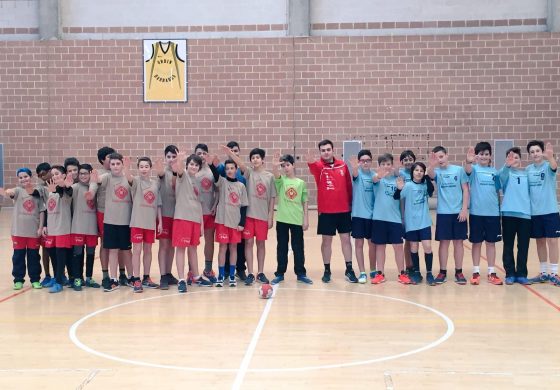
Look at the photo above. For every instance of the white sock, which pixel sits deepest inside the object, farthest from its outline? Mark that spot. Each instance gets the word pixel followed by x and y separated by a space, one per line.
pixel 491 270
pixel 476 269
pixel 553 269
pixel 543 266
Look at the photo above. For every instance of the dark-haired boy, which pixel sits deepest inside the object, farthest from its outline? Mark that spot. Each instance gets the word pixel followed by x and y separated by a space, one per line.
pixel 43 171
pixel 452 211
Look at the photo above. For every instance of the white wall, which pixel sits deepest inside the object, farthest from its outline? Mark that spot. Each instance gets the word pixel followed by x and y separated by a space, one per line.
pixel 108 13
pixel 336 11
pixel 19 14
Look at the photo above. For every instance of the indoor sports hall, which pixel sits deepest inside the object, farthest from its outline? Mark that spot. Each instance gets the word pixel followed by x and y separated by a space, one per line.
pixel 280 75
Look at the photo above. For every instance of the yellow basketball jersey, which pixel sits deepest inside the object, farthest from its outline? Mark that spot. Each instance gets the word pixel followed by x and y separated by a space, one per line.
pixel 164 74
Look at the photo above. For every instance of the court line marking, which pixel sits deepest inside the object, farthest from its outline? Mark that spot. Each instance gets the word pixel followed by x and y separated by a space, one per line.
pixel 253 344
pixel 40 370
pixel 92 374
pixel 529 288
pixel 466 372
pixel 449 332
pixel 26 289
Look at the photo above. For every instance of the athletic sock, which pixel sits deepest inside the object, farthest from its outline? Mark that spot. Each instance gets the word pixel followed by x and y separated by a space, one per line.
pixel 232 270
pixel 348 265
pixel 122 272
pixel 443 271
pixel 145 276
pixel 543 265
pixel 415 261
pixel 429 258
pixel 491 270
pixel 553 269
pixel 221 271
pixel 105 273
pixel 476 269
pixel 208 265
pixel 327 267
pixel 458 271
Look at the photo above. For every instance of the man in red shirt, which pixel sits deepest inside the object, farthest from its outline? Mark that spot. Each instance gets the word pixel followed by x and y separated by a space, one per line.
pixel 334 202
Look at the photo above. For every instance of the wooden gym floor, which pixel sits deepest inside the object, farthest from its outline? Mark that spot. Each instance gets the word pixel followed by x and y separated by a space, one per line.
pixel 333 336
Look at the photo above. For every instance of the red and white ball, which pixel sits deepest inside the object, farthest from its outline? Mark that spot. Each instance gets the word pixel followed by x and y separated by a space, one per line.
pixel 265 291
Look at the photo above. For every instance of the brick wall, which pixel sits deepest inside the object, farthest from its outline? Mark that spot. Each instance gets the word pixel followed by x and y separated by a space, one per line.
pixel 62 98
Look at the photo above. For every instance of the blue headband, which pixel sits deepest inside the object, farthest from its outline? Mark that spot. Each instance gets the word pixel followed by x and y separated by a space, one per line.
pixel 26 170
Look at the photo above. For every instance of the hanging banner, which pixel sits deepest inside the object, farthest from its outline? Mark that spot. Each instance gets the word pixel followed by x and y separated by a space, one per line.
pixel 165 70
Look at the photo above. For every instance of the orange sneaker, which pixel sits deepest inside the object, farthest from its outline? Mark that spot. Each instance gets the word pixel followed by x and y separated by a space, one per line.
pixel 475 280
pixel 404 279
pixel 379 278
pixel 495 280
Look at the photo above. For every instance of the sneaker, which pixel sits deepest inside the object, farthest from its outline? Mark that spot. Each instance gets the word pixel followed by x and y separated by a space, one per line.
pixel 261 278
pixel 511 280
pixel 555 280
pixel 541 278
pixel 232 281
pixel 172 280
pixel 182 286
pixel 475 280
pixel 241 275
pixel 18 285
pixel 416 278
pixel 123 280
pixel 250 279
pixel 379 278
pixel 372 274
pixel 46 280
pixel 65 281
pixel 190 277
pixel 219 281
pixel 36 285
pixel 303 279
pixel 350 276
pixel 362 279
pixel 106 283
pixel 430 279
pixel 211 276
pixel 495 280
pixel 77 286
pixel 404 279
pixel 91 283
pixel 460 279
pixel 51 282
pixel 130 282
pixel 441 278
pixel 164 283
pixel 148 283
pixel 137 286
pixel 114 285
pixel 55 288
pixel 277 279
pixel 326 277
pixel 201 282
pixel 522 280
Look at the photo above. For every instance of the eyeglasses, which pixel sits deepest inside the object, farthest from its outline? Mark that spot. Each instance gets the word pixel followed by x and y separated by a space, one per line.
pixel 366 160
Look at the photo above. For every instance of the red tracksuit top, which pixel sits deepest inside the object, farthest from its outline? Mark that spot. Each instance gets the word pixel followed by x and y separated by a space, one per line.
pixel 334 186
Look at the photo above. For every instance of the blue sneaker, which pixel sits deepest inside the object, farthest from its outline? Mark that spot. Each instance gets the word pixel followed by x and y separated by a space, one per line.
pixel 350 276
pixel 326 277
pixel 55 288
pixel 51 282
pixel 511 280
pixel 77 286
pixel 211 276
pixel 430 280
pixel 201 282
pixel 219 281
pixel 249 280
pixel 541 278
pixel 45 282
pixel 303 279
pixel 233 281
pixel 261 278
pixel 522 280
pixel 555 280
pixel 278 279
pixel 66 282
pixel 441 278
pixel 372 274
pixel 182 286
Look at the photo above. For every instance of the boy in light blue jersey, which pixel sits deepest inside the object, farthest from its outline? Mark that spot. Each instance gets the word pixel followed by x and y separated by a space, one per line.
pixel 387 220
pixel 407 158
pixel 417 220
pixel 516 217
pixel 545 219
pixel 452 204
pixel 484 220
pixel 362 210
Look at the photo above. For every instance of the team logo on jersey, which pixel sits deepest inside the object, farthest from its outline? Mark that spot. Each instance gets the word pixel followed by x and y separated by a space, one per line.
pixel 455 178
pixel 121 192
pixel 91 204
pixel 291 193
pixel 341 171
pixel 51 204
pixel 29 205
pixel 261 189
pixel 149 197
pixel 233 197
pixel 206 184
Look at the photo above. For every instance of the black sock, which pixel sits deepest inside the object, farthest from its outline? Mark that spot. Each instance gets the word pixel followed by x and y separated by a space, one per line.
pixel 327 268
pixel 458 271
pixel 443 271
pixel 105 273
pixel 429 258
pixel 348 266
pixel 208 265
pixel 410 269
pixel 90 258
pixel 145 276
pixel 122 272
pixel 415 261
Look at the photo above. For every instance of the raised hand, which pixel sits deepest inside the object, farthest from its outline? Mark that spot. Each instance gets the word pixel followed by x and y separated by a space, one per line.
pixel 400 183
pixel 471 157
pixel 383 172
pixel 68 181
pixel 159 166
pixel 51 187
pixel 126 163
pixel 548 151
pixel 276 160
pixel 226 150
pixel 2 192
pixel 510 159
pixel 310 157
pixel 354 162
pixel 94 177
pixel 433 161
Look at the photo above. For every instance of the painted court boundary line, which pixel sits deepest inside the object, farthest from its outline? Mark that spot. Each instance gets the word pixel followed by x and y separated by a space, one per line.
pixel 26 289
pixel 529 288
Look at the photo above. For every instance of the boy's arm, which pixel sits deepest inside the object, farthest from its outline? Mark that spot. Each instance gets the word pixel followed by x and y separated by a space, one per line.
pixel 354 165
pixel 276 165
pixel 271 212
pixel 305 225
pixel 215 172
pixel 9 192
pixel 235 158
pixel 159 168
pixel 312 164
pixel 159 218
pixel 126 170
pixel 41 223
pixel 180 163
pixel 469 160
pixel 431 166
pixel 466 198
pixel 549 155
